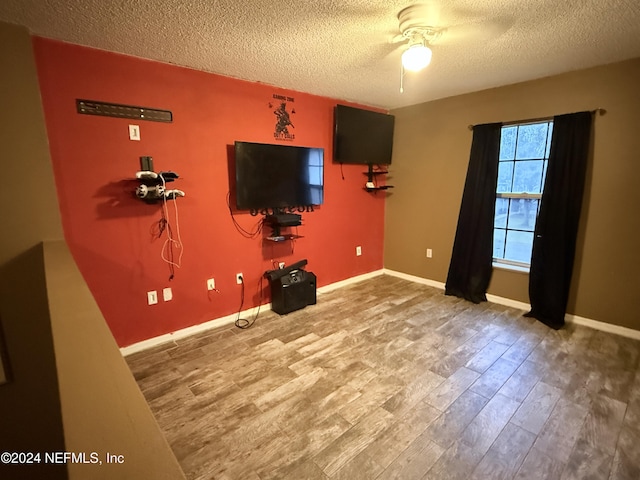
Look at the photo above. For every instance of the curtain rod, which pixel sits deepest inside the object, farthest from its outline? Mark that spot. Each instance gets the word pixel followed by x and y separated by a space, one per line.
pixel 600 111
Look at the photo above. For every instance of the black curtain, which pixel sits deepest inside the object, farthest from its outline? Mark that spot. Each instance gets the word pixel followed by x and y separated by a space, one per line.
pixel 554 242
pixel 470 268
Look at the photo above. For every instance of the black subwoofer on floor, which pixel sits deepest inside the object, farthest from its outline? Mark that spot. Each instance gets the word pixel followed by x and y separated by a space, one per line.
pixel 291 288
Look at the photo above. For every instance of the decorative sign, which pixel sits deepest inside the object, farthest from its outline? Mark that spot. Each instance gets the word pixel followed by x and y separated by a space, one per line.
pixel 281 210
pixel 283 117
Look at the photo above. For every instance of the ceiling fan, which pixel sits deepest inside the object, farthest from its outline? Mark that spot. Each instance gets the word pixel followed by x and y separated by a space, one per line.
pixel 421 26
pixel 418 26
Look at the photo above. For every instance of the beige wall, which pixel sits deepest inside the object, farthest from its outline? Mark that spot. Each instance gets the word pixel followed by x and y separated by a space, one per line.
pixel 103 410
pixel 30 404
pixel 69 387
pixel 431 153
pixel 31 418
pixel 28 199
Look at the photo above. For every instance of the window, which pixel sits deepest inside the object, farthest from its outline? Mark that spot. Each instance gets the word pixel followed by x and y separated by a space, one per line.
pixel 524 154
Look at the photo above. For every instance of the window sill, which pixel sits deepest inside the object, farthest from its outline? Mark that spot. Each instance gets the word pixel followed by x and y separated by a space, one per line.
pixel 510 268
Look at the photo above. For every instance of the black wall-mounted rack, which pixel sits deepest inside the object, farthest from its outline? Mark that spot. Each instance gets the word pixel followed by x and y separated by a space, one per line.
pixel 93 107
pixel 278 221
pixel 370 186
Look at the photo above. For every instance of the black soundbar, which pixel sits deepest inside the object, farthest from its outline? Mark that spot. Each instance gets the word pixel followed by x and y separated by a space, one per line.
pixel 281 272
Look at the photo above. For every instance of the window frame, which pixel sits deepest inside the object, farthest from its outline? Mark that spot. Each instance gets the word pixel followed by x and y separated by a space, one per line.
pixel 503 262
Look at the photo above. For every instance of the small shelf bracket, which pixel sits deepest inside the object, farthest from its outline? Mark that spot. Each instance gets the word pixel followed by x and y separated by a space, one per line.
pixel 371 186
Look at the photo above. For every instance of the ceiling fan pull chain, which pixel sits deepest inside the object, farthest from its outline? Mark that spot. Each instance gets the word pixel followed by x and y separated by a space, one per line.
pixel 401 78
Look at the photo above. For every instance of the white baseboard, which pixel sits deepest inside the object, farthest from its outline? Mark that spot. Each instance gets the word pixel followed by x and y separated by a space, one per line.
pixel 229 319
pixel 604 327
pixel 433 283
pixel 350 281
pixel 508 302
pixel 413 278
pixel 186 332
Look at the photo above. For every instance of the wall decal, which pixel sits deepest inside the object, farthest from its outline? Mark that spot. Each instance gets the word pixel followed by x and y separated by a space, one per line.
pixel 283 117
pixel 281 210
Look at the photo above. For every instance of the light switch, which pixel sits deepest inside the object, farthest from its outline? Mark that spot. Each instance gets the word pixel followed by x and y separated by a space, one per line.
pixel 134 132
pixel 152 297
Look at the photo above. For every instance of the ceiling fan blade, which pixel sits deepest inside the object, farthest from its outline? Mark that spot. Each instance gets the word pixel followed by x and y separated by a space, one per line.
pixel 399 38
pixel 480 31
pixel 421 14
pixel 390 50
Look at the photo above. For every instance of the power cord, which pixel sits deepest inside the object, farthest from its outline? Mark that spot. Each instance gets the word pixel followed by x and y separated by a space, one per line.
pixel 253 233
pixel 157 229
pixel 170 241
pixel 243 323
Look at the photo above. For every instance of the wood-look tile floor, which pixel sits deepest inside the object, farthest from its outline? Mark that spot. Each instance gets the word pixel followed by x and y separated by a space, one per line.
pixel 391 379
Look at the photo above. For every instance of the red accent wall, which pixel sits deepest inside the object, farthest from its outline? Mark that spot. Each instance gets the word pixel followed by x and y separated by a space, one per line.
pixel 109 231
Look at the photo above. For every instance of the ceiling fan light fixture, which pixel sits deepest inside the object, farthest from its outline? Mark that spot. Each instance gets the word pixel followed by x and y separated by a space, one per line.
pixel 416 57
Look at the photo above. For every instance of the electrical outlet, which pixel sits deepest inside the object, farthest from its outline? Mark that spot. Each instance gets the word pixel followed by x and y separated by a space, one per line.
pixel 211 284
pixel 429 253
pixel 358 250
pixel 167 294
pixel 152 297
pixel 239 278
pixel 281 265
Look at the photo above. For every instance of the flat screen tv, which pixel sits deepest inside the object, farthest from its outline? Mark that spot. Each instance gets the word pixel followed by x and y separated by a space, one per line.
pixel 278 176
pixel 362 136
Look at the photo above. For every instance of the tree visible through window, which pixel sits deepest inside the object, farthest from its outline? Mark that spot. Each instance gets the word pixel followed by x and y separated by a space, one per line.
pixel 524 154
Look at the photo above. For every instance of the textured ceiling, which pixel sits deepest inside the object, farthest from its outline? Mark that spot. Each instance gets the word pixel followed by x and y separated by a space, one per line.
pixel 344 49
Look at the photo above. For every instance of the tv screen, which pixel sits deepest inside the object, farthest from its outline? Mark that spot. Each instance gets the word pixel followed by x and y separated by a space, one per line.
pixel 278 176
pixel 362 136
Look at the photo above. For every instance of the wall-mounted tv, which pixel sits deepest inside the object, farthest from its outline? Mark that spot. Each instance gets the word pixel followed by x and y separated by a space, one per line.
pixel 278 176
pixel 362 136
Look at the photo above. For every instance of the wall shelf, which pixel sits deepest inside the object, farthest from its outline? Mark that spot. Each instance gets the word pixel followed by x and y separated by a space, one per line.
pixel 279 221
pixel 375 189
pixel 283 238
pixel 152 186
pixel 372 186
